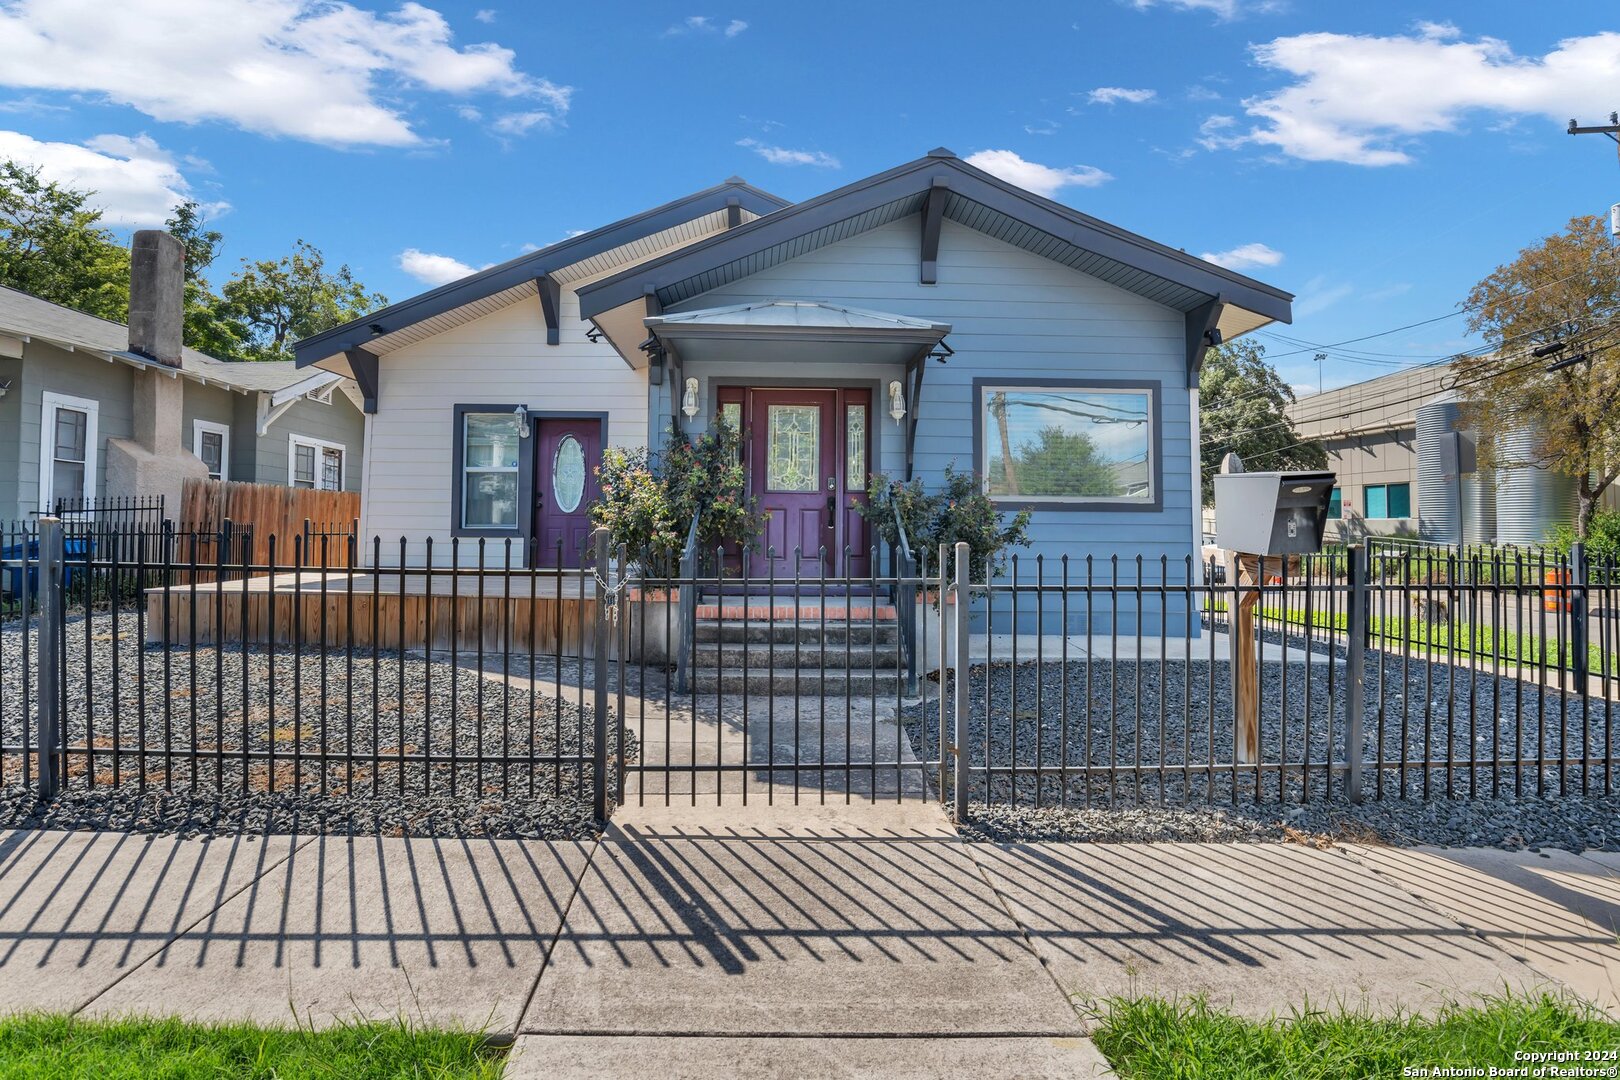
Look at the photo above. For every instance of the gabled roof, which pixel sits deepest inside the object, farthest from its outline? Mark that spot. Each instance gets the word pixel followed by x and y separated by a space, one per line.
pixel 964 194
pixel 521 273
pixel 30 318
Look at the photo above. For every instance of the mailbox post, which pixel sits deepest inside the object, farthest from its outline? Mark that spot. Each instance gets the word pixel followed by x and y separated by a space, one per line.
pixel 1260 516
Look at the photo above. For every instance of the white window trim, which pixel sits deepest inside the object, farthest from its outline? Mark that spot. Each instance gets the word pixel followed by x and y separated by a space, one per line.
pixel 295 440
pixel 198 427
pixel 48 404
pixel 1152 499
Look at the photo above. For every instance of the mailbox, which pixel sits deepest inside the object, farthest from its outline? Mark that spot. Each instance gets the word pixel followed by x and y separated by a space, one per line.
pixel 1272 513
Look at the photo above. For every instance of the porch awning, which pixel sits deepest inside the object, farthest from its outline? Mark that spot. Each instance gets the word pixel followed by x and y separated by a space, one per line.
pixel 796 330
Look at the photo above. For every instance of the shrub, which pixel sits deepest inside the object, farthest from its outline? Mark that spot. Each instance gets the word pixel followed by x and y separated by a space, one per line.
pixel 648 502
pixel 1602 538
pixel 958 511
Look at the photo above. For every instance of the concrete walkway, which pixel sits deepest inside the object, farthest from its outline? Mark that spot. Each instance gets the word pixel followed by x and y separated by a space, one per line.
pixel 781 941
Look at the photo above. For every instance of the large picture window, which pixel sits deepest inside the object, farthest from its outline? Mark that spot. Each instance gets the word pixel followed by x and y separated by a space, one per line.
pixel 489 470
pixel 1065 444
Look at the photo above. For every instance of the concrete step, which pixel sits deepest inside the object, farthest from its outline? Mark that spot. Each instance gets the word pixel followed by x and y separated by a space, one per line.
pixel 809 610
pixel 830 655
pixel 805 683
pixel 808 632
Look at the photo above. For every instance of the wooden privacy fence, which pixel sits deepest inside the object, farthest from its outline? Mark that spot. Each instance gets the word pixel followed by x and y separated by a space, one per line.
pixel 266 510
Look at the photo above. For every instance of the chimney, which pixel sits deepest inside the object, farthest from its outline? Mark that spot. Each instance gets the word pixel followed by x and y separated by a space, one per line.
pixel 157 282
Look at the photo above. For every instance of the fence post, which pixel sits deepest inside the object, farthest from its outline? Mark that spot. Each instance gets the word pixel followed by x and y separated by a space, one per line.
pixel 599 540
pixel 959 616
pixel 1577 614
pixel 1355 670
pixel 49 598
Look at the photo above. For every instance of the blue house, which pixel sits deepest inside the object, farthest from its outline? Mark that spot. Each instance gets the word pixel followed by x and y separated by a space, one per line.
pixel 931 315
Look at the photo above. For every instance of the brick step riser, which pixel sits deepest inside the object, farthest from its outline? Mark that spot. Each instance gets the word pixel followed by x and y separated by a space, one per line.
pixel 762 657
pixel 833 634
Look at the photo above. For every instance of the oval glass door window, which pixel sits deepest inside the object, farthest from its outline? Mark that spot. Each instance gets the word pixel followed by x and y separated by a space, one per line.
pixel 568 474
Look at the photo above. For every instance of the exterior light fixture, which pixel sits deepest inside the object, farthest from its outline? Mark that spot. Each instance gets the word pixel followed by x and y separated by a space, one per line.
pixel 689 404
pixel 897 400
pixel 522 414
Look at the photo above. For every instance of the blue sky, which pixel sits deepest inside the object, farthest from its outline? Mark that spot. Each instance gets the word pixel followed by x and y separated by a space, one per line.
pixel 1375 158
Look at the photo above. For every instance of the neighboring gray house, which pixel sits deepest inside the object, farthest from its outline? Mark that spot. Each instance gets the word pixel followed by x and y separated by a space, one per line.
pixel 930 315
pixel 71 388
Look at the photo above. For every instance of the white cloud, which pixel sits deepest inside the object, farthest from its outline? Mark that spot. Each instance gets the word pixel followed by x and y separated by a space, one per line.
pixel 1244 256
pixel 703 24
pixel 1363 100
pixel 485 15
pixel 320 70
pixel 1041 179
pixel 1110 95
pixel 1222 9
pixel 136 182
pixel 1042 127
pixel 1317 296
pixel 522 123
pixel 781 155
pixel 434 269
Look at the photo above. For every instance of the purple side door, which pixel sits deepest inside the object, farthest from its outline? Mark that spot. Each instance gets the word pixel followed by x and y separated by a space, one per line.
pixel 567 452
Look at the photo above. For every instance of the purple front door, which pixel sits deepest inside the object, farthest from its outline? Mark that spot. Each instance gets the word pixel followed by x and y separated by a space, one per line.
pixel 793 454
pixel 567 452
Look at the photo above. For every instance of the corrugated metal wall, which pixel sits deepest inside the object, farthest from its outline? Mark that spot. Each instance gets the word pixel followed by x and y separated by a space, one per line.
pixel 1439 518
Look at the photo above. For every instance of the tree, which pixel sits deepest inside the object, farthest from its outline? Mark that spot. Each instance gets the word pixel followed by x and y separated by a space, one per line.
pixel 280 301
pixel 53 246
pixel 1563 291
pixel 1241 402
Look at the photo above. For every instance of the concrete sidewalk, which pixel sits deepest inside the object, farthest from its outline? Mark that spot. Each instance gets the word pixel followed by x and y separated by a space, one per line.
pixel 780 941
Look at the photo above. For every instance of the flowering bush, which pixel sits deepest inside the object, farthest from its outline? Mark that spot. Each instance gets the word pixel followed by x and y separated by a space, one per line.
pixel 959 510
pixel 648 501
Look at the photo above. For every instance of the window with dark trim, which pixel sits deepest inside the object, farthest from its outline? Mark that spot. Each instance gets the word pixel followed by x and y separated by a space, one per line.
pixel 1336 505
pixel 1080 444
pixel 490 461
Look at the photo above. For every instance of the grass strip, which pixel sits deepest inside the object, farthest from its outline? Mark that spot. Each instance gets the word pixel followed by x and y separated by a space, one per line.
pixel 1480 639
pixel 1151 1038
pixel 55 1046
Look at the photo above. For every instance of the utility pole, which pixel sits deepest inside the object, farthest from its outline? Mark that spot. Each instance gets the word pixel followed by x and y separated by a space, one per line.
pixel 1611 129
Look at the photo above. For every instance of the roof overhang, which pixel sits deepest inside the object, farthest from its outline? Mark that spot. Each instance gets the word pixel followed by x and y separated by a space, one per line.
pixel 518 277
pixel 794 331
pixel 946 187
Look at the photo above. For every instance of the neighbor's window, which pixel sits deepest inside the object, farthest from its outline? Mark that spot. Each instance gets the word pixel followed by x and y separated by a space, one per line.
pixel 211 443
pixel 67 450
pixel 1388 501
pixel 1336 505
pixel 315 464
pixel 489 470
pixel 1067 444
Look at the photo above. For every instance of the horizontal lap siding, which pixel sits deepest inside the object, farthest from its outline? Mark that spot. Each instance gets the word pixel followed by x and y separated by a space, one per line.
pixel 500 358
pixel 1017 315
pixel 47 369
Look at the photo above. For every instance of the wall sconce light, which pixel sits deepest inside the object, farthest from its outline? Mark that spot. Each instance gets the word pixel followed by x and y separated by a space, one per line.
pixel 4 387
pixel 897 400
pixel 522 414
pixel 689 404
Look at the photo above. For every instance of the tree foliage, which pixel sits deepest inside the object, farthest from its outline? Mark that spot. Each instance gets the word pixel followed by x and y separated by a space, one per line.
pixel 276 302
pixel 1060 461
pixel 1562 290
pixel 53 245
pixel 1241 403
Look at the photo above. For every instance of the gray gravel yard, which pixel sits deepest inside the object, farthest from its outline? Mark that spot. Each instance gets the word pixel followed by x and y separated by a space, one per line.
pixel 1135 713
pixel 223 713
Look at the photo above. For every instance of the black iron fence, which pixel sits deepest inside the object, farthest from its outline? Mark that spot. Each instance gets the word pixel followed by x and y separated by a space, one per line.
pixel 492 670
